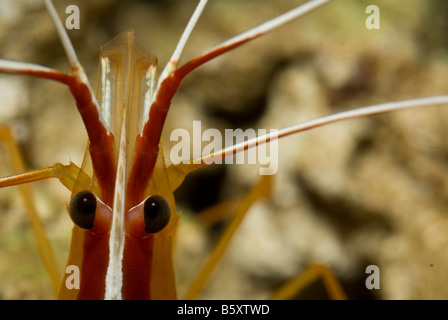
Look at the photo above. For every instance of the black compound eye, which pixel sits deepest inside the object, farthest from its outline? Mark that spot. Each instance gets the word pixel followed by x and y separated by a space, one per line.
pixel 82 209
pixel 157 214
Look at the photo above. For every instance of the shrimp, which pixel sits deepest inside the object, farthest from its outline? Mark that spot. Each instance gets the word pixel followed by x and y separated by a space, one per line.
pixel 377 200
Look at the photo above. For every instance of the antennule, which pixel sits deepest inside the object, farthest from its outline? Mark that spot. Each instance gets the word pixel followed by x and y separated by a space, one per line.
pixel 67 44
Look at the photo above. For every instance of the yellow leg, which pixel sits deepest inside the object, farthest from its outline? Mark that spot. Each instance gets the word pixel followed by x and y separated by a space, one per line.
pixel 312 273
pixel 218 213
pixel 43 244
pixel 240 207
pixel 261 190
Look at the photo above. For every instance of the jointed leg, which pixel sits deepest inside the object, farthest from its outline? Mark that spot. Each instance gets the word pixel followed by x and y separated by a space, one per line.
pixel 313 273
pixel 43 244
pixel 261 190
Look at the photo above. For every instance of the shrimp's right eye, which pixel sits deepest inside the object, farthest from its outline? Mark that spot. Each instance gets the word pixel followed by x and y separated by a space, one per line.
pixel 157 214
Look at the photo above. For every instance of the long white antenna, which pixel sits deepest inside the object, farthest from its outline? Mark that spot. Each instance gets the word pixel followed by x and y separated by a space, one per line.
pixel 77 69
pixel 66 43
pixel 272 24
pixel 172 64
pixel 319 122
pixel 8 66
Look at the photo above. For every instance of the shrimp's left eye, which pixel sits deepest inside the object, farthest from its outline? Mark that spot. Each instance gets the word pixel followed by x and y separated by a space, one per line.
pixel 157 214
pixel 82 209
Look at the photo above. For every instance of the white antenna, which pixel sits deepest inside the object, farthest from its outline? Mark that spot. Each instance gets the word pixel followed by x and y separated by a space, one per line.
pixel 77 69
pixel 66 43
pixel 172 64
pixel 322 121
pixel 272 24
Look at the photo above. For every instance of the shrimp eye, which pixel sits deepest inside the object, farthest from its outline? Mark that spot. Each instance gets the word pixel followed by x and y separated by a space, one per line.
pixel 82 209
pixel 157 214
